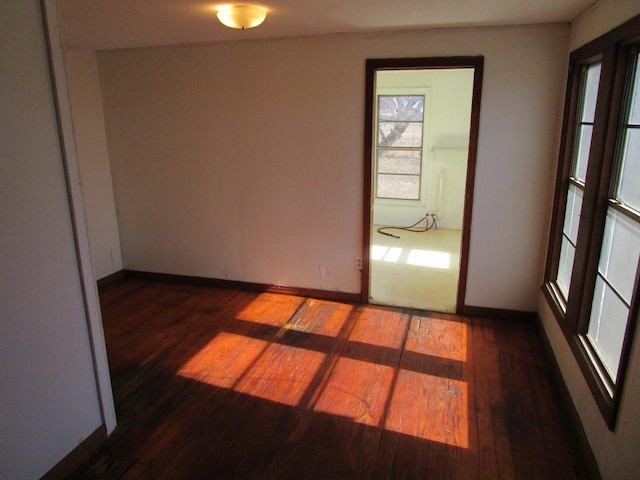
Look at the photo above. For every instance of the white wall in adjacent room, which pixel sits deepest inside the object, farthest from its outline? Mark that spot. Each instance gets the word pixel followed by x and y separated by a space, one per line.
pixel 447 120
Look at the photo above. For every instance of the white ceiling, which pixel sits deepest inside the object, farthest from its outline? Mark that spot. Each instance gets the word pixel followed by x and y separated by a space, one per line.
pixel 111 24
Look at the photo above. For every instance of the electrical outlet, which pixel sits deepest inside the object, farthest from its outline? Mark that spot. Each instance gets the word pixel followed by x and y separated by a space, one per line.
pixel 358 263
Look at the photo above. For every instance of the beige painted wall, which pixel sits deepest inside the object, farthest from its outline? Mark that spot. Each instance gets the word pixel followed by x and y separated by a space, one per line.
pixel 48 394
pixel 93 160
pixel 602 17
pixel 245 161
pixel 616 452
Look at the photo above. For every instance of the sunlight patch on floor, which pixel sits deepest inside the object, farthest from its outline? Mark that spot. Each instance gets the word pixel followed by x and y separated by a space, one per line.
pixel 378 252
pixel 384 374
pixel 425 273
pixel 440 416
pixel 287 383
pixel 357 390
pixel 261 310
pixel 224 360
pixel 392 255
pixel 429 258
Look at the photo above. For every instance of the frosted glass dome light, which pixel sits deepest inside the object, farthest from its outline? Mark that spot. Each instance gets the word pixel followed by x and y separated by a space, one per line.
pixel 241 16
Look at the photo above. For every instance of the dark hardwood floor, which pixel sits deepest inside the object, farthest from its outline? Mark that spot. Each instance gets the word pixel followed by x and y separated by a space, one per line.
pixel 212 383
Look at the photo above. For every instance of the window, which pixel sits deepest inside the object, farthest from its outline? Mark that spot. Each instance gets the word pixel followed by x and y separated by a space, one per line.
pixel 593 275
pixel 616 274
pixel 399 146
pixel 588 91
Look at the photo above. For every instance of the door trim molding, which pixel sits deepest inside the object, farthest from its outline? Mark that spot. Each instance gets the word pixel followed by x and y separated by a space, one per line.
pixel 374 65
pixel 76 210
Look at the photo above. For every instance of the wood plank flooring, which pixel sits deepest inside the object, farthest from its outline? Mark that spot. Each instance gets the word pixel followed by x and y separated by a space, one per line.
pixel 225 384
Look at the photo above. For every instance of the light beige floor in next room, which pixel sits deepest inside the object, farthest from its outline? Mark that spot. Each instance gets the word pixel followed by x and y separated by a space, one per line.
pixel 418 270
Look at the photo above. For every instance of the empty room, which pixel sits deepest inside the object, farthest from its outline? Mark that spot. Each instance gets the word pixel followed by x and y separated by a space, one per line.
pixel 320 239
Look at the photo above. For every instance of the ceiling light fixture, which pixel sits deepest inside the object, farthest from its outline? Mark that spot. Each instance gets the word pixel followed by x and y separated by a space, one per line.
pixel 241 16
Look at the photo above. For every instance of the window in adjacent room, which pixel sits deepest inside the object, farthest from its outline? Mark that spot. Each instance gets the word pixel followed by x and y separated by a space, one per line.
pixel 399 146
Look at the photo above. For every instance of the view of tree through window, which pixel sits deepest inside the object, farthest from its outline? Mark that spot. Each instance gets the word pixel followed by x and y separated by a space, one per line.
pixel 399 146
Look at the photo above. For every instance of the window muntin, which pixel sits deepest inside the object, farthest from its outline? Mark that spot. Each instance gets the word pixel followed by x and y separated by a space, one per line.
pixel 399 146
pixel 569 238
pixel 590 80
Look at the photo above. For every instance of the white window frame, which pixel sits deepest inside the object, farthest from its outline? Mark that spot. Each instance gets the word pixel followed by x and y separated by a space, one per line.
pixel 426 144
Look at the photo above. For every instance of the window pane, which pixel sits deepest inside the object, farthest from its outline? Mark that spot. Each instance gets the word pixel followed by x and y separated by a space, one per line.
pixel 400 134
pixel 407 107
pixel 399 161
pixel 565 266
pixel 607 326
pixel 584 127
pixel 591 92
pixel 629 172
pixel 572 213
pixel 569 239
pixel 406 187
pixel 629 189
pixel 399 142
pixel 634 117
pixel 619 253
pixel 582 156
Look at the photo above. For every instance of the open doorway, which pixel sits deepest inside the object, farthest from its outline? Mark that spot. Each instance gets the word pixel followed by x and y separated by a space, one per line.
pixel 421 141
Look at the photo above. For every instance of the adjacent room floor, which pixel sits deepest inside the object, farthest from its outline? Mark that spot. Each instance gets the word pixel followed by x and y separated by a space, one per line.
pixel 222 384
pixel 418 270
